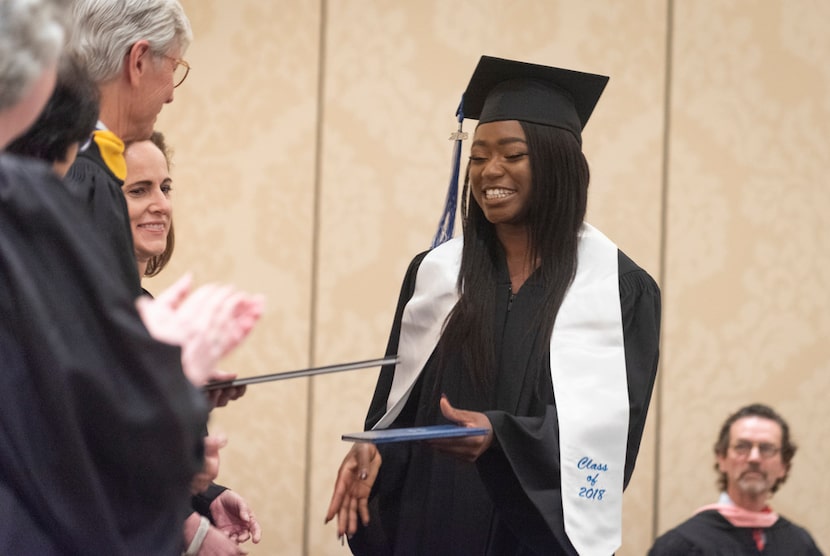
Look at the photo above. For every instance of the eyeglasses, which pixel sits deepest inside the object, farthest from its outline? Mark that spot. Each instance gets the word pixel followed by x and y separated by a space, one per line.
pixel 765 450
pixel 180 71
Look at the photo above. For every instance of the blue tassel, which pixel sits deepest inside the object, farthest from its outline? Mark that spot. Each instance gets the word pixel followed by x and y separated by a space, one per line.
pixel 446 225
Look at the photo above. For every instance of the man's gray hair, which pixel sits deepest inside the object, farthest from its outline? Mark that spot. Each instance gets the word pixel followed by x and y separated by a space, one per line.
pixel 31 39
pixel 103 31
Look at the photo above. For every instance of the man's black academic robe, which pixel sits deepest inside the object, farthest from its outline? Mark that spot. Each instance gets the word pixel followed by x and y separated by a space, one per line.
pixel 509 501
pixel 99 189
pixel 710 534
pixel 100 431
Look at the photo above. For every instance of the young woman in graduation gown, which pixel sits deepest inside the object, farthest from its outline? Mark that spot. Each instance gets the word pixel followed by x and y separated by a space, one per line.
pixel 508 329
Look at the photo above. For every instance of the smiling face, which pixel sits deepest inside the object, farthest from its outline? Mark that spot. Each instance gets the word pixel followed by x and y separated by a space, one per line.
pixel 500 177
pixel 147 190
pixel 752 462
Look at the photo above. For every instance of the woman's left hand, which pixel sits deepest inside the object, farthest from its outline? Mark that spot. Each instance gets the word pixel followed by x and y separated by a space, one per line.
pixel 467 448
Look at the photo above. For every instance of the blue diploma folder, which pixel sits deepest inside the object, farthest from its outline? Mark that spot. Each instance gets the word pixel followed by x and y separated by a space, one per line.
pixel 383 436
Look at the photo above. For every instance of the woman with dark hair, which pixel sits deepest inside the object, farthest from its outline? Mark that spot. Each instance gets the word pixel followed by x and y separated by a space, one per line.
pixel 221 520
pixel 533 327
pixel 147 188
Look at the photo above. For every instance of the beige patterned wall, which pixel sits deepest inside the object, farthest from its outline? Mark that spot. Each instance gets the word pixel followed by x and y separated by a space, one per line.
pixel 311 165
pixel 747 273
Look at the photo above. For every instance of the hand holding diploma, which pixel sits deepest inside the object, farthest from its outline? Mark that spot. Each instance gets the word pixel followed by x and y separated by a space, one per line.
pixel 219 397
pixel 467 448
pixel 361 465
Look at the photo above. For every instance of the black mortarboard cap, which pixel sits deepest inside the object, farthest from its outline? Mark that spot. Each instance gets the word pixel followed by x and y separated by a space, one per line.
pixel 503 89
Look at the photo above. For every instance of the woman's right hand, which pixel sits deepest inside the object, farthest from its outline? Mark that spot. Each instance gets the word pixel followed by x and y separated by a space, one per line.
pixel 354 483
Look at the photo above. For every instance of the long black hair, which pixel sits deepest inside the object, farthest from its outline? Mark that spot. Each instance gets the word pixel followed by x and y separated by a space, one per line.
pixel 558 201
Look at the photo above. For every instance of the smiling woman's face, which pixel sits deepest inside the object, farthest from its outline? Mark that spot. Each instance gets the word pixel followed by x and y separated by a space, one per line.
pixel 500 179
pixel 147 190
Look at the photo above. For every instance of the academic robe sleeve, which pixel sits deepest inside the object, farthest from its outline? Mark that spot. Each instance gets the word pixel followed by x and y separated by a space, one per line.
pixel 201 502
pixel 377 408
pixel 100 429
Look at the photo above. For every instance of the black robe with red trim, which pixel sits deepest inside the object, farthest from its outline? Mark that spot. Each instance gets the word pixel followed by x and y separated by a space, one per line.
pixel 710 534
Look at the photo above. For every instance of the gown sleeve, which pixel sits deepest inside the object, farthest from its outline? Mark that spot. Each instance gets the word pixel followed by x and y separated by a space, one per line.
pixel 377 408
pixel 103 426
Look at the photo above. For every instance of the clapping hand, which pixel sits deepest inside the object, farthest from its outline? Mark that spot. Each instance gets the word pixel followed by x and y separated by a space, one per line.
pixel 207 324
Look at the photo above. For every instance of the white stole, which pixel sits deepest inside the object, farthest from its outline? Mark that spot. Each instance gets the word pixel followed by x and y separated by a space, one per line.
pixel 587 360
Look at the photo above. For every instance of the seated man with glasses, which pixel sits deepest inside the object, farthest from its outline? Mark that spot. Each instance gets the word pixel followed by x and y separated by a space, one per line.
pixel 753 457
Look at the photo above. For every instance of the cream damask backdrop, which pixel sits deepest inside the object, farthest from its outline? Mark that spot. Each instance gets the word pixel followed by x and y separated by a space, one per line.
pixel 747 311
pixel 311 165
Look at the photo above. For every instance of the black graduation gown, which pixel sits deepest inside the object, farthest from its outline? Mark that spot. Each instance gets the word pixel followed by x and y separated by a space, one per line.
pixel 710 534
pixel 99 189
pixel 100 431
pixel 509 501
